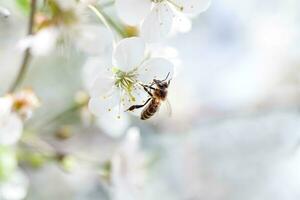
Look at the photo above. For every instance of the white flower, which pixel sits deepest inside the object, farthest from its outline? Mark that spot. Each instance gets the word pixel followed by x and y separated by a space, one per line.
pixel 11 126
pixel 41 43
pixel 66 26
pixel 4 12
pixel 157 16
pixel 15 188
pixel 128 170
pixel 117 85
pixel 92 68
pixel 15 108
pixel 24 102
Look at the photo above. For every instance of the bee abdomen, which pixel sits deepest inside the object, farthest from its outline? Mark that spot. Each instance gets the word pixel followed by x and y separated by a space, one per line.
pixel 149 111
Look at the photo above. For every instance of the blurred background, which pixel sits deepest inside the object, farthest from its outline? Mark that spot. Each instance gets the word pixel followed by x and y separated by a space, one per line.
pixel 234 133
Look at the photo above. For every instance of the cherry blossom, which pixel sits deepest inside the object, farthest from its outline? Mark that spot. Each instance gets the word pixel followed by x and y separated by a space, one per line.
pixel 117 84
pixel 157 16
pixel 4 12
pixel 11 125
pixel 14 109
pixel 65 26
pixel 16 187
pixel 128 167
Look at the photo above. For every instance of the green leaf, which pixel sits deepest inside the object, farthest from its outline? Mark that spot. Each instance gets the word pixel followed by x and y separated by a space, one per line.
pixel 24 5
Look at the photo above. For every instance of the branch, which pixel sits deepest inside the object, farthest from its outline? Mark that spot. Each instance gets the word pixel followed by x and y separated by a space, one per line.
pixel 27 55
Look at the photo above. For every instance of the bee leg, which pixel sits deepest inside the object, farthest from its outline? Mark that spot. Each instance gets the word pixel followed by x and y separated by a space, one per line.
pixel 133 107
pixel 146 89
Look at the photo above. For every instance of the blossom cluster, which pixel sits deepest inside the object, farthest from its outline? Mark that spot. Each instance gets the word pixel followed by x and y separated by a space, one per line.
pixel 124 51
pixel 16 108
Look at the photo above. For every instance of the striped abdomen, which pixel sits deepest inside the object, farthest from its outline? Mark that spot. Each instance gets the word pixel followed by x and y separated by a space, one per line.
pixel 151 109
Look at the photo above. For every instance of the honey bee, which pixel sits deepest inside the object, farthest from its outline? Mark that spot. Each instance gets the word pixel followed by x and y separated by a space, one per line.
pixel 158 94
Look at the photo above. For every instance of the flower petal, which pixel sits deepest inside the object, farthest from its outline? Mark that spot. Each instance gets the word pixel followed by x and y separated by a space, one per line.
pixel 4 12
pixel 155 68
pixel 5 105
pixel 132 11
pixel 102 86
pixel 92 68
pixel 95 40
pixel 158 23
pixel 112 124
pixel 100 106
pixel 42 43
pixel 192 6
pixel 16 187
pixel 140 97
pixel 11 128
pixel 181 23
pixel 129 53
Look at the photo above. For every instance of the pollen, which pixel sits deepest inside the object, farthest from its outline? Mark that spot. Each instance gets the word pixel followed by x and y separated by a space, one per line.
pixel 125 80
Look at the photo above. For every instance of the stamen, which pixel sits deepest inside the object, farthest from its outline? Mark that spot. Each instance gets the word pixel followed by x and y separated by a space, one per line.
pixel 176 5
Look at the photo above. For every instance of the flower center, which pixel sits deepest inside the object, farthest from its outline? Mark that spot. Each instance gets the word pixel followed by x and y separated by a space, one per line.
pixel 126 80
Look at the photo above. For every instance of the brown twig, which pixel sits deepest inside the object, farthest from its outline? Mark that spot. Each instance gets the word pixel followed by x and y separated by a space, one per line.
pixel 27 55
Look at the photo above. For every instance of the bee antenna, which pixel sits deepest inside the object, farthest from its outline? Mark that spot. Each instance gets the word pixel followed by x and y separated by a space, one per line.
pixel 166 77
pixel 169 82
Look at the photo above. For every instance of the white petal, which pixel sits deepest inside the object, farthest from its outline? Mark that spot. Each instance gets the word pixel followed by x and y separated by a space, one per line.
pixel 11 128
pixel 92 68
pixel 102 86
pixel 132 11
pixel 140 97
pixel 158 23
pixel 114 125
pixel 95 40
pixel 193 6
pixel 181 23
pixel 4 12
pixel 128 172
pixel 131 143
pixel 100 106
pixel 155 68
pixel 129 53
pixel 5 105
pixel 16 187
pixel 41 43
pixel 169 53
pixel 158 50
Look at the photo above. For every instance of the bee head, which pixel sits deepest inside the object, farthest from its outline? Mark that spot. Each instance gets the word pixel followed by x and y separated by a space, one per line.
pixel 162 84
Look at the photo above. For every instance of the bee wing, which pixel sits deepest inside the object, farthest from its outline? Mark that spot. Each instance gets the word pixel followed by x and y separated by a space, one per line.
pixel 165 109
pixel 168 106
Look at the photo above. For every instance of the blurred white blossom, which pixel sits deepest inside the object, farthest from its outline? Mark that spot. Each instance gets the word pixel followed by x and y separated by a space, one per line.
pixel 15 188
pixel 128 168
pixel 65 25
pixel 11 126
pixel 4 12
pixel 15 108
pixel 24 102
pixel 157 16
